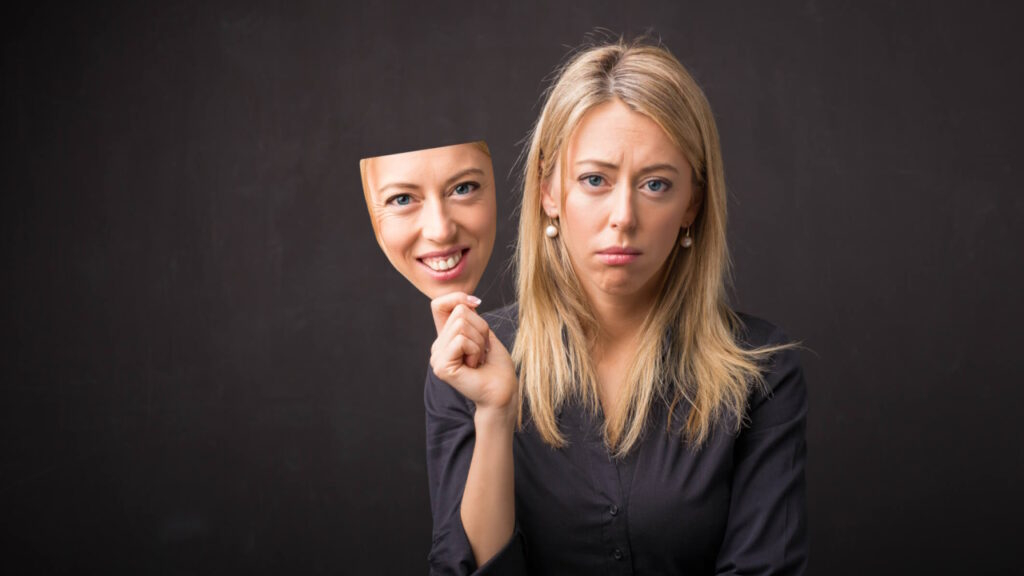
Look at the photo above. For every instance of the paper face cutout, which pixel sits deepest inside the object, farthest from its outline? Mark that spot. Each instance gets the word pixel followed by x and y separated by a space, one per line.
pixel 434 213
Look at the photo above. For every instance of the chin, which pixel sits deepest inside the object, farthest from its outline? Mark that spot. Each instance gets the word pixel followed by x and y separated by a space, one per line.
pixel 619 285
pixel 432 289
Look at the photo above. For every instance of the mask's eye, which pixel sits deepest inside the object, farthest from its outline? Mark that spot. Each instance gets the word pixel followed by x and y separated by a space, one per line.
pixel 464 188
pixel 400 200
pixel 657 185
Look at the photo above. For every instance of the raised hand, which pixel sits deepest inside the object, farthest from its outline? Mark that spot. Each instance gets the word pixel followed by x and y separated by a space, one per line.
pixel 469 357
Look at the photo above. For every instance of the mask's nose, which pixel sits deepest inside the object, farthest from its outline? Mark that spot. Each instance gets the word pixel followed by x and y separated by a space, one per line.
pixel 437 226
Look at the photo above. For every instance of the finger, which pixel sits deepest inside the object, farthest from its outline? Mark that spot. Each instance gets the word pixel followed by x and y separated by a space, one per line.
pixel 442 306
pixel 474 319
pixel 449 354
pixel 460 349
pixel 462 314
pixel 461 325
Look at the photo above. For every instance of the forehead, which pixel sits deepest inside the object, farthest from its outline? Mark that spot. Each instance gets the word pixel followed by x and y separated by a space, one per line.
pixel 425 168
pixel 611 132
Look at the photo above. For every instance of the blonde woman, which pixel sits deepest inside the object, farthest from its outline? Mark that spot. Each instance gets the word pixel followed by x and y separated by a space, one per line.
pixel 639 425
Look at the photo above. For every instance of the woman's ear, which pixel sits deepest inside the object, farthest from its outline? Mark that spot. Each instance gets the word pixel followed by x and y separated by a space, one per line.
pixel 549 192
pixel 694 209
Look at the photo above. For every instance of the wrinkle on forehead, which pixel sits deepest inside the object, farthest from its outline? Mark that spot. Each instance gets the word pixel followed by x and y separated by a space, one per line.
pixel 619 135
pixel 640 140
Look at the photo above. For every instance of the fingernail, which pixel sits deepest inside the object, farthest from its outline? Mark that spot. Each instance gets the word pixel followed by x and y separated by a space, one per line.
pixel 474 300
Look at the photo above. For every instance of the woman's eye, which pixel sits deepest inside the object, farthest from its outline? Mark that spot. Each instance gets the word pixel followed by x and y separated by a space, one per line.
pixel 657 185
pixel 594 180
pixel 400 200
pixel 465 188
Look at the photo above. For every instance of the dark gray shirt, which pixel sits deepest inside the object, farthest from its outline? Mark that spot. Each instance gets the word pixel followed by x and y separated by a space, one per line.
pixel 735 506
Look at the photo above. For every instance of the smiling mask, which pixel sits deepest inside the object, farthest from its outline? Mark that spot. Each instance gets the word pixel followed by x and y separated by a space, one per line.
pixel 434 214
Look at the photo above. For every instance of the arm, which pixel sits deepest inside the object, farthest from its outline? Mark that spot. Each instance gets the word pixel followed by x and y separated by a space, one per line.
pixel 451 452
pixel 488 499
pixel 469 452
pixel 766 532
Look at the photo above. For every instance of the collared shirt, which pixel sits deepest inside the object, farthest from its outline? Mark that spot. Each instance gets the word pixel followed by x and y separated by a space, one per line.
pixel 736 505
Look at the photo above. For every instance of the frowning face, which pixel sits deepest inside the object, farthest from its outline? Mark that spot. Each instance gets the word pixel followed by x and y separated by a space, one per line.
pixel 434 213
pixel 628 192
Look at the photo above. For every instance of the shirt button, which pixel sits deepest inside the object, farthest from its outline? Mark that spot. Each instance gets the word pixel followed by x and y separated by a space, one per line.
pixel 617 554
pixel 613 510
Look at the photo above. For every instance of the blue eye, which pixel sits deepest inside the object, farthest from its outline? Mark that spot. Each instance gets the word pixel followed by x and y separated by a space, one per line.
pixel 465 188
pixel 594 180
pixel 400 199
pixel 657 185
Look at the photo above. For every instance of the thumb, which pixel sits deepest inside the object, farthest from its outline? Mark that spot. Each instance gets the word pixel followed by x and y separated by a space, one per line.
pixel 442 306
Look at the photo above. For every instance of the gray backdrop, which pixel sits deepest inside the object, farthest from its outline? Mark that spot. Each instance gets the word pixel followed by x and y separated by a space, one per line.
pixel 211 367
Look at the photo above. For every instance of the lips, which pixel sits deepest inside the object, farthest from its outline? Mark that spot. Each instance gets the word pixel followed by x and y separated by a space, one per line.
pixel 620 250
pixel 444 264
pixel 618 255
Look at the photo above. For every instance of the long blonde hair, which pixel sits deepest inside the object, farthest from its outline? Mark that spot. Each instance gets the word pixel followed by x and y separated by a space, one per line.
pixel 701 362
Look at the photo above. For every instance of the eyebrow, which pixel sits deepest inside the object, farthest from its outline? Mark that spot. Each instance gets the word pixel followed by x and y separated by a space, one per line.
pixel 451 180
pixel 399 185
pixel 462 174
pixel 644 170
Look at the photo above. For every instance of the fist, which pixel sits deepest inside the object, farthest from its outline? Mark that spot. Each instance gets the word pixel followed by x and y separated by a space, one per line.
pixel 469 357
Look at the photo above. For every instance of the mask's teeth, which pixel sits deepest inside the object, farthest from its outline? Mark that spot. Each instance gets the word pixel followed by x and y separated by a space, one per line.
pixel 443 264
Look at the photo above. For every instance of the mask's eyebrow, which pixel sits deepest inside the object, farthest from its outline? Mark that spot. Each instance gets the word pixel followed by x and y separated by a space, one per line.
pixel 462 174
pixel 410 186
pixel 399 185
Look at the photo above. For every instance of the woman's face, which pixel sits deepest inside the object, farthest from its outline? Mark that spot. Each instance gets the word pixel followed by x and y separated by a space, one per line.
pixel 628 192
pixel 435 214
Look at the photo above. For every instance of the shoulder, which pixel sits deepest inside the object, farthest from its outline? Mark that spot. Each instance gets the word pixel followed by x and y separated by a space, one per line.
pixel 756 332
pixel 504 322
pixel 784 395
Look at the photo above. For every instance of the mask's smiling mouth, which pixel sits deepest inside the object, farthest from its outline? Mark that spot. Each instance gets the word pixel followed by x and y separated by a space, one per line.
pixel 441 263
pixel 445 265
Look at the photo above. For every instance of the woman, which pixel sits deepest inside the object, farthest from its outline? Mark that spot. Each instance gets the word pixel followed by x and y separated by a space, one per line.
pixel 650 428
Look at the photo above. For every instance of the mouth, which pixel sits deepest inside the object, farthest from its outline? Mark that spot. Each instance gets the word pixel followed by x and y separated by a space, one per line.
pixel 626 250
pixel 446 264
pixel 618 256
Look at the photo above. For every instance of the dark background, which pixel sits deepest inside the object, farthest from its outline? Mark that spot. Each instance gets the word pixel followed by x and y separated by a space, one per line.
pixel 211 368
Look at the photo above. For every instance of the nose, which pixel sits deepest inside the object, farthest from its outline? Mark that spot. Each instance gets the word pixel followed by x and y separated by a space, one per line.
pixel 437 226
pixel 623 213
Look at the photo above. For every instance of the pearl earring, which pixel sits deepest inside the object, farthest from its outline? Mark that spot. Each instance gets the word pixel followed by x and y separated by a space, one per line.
pixel 551 231
pixel 686 242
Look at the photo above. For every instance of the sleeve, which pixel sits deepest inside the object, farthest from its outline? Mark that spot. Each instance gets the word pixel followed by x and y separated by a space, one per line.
pixel 450 438
pixel 766 532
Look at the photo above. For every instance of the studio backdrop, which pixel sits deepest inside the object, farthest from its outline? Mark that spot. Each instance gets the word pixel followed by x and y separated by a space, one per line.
pixel 212 368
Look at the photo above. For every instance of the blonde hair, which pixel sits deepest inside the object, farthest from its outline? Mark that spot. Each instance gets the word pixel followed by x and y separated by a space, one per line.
pixel 702 362
pixel 364 168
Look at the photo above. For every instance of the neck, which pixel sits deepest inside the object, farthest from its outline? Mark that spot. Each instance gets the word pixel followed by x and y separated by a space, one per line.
pixel 620 318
